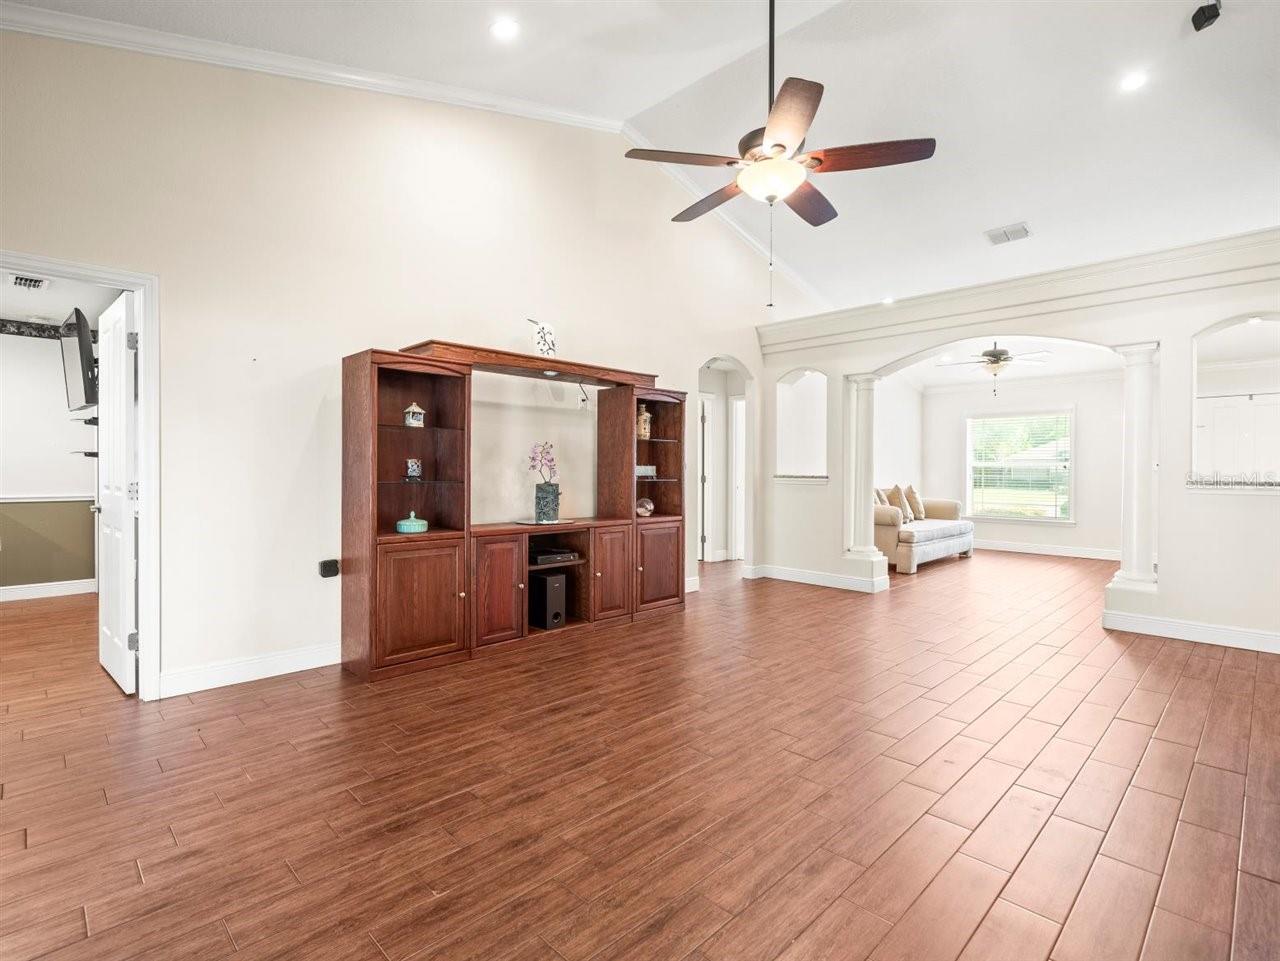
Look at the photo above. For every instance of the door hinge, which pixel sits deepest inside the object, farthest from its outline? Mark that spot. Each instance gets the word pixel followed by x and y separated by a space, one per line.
pixel 703 538
pixel 131 340
pixel 133 641
pixel 133 490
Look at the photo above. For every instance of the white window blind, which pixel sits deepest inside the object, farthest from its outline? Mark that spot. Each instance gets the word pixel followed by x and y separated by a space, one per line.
pixel 1019 466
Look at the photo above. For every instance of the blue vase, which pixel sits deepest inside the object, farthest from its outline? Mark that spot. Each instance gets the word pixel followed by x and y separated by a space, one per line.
pixel 546 503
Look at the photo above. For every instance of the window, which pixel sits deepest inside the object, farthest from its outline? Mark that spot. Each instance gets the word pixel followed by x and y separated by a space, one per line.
pixel 802 424
pixel 1019 466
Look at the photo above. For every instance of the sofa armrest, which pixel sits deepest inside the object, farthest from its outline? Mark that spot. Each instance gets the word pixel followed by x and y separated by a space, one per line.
pixel 942 509
pixel 888 516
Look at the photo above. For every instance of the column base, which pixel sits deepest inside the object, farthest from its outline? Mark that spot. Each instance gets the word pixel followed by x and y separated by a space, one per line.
pixel 868 569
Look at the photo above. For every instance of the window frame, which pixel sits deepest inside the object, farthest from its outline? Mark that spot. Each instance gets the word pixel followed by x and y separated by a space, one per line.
pixel 1069 410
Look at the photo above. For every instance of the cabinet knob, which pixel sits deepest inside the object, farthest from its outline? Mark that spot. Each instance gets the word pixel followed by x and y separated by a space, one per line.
pixel 640 568
pixel 521 586
pixel 598 574
pixel 462 593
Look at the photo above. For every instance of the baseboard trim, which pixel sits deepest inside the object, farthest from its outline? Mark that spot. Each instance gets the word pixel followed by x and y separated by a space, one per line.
pixel 844 582
pixel 240 669
pixel 1052 550
pixel 1246 638
pixel 28 592
pixel 691 584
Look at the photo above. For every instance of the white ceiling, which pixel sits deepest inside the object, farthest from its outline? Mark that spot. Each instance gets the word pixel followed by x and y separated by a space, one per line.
pixel 606 59
pixel 1022 98
pixel 55 302
pixel 1065 358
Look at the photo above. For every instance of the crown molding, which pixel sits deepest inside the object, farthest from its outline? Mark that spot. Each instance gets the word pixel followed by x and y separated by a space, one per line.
pixel 68 26
pixel 637 139
pixel 1232 261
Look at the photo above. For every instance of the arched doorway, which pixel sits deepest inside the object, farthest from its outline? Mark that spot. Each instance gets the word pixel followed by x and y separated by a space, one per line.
pixel 1026 454
pixel 725 470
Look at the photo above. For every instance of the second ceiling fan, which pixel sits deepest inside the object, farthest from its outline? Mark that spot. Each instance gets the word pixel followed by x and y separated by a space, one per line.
pixel 770 163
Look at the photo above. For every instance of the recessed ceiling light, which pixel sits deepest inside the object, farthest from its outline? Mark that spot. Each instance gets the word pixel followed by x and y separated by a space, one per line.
pixel 1133 80
pixel 944 359
pixel 504 29
pixel 887 301
pixel 1255 320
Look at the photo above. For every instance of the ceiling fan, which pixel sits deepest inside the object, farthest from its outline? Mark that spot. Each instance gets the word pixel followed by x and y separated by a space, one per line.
pixel 770 163
pixel 997 359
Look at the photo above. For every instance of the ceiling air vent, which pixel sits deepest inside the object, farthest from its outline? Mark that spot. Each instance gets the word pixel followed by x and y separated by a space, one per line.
pixel 27 282
pixel 1003 235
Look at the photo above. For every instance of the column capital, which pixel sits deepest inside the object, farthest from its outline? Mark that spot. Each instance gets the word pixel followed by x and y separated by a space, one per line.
pixel 865 381
pixel 1135 354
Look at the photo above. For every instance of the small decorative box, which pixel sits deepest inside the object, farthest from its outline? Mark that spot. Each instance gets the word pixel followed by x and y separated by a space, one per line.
pixel 646 470
pixel 411 525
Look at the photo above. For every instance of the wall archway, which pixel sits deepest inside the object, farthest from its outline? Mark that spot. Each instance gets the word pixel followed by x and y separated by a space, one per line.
pixel 740 392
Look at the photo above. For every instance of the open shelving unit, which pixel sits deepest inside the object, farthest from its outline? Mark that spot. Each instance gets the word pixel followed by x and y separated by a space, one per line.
pixel 414 601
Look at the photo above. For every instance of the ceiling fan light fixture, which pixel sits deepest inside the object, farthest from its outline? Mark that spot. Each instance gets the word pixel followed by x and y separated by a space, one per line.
pixel 773 179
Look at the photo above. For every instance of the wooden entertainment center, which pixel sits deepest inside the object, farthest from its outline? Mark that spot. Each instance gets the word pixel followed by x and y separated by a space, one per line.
pixel 460 590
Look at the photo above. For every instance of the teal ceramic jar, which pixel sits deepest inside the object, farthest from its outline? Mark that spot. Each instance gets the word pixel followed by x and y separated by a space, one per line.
pixel 411 525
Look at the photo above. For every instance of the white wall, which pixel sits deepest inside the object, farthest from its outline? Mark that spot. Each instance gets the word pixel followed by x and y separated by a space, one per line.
pixel 292 223
pixel 801 449
pixel 1097 405
pixel 1210 574
pixel 898 456
pixel 37 432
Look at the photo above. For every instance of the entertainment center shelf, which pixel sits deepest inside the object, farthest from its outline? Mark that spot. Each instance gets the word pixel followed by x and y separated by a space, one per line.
pixel 412 601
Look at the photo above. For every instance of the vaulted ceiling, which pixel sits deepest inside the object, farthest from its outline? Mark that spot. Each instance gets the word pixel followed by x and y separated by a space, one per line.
pixel 1023 98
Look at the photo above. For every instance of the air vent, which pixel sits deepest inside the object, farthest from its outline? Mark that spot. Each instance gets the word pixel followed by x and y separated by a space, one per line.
pixel 1003 235
pixel 27 282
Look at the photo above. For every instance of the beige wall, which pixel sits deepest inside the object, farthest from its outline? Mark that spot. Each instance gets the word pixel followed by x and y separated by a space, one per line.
pixel 291 223
pixel 45 541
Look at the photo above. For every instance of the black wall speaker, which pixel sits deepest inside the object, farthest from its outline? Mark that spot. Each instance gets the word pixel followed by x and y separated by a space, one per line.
pixel 547 600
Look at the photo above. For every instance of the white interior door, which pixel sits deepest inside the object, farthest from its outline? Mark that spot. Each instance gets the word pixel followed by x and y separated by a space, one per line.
pixel 117 426
pixel 738 479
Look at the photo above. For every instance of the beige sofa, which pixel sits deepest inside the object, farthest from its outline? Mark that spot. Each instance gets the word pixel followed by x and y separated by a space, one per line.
pixel 940 533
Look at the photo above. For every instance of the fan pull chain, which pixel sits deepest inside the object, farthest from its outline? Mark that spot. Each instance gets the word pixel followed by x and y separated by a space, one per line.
pixel 770 303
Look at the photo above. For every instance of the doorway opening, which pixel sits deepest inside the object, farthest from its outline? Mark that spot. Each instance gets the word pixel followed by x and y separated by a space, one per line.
pixel 79 470
pixel 724 469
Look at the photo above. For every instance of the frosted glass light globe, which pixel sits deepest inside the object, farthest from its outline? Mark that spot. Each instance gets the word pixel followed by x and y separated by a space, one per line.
pixel 772 180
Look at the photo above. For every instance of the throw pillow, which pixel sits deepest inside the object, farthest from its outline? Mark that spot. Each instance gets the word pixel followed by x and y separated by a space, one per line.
pixel 917 505
pixel 899 500
pixel 881 500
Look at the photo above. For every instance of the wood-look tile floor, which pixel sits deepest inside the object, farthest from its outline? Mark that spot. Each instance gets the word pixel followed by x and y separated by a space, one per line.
pixel 967 766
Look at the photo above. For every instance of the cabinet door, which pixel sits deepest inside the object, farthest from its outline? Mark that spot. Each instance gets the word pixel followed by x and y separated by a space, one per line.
pixel 611 564
pixel 421 601
pixel 659 565
pixel 498 588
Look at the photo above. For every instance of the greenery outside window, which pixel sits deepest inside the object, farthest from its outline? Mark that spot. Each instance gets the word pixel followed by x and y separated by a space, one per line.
pixel 1019 466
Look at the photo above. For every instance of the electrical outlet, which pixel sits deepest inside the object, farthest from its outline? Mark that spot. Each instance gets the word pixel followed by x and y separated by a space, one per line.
pixel 329 568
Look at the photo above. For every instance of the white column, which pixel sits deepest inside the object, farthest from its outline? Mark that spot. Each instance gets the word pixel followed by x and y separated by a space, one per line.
pixel 1137 506
pixel 862 468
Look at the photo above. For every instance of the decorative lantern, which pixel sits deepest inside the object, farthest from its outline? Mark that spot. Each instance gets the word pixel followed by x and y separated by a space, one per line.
pixel 414 416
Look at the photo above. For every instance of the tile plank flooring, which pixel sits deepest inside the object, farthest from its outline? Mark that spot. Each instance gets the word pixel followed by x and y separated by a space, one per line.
pixel 967 766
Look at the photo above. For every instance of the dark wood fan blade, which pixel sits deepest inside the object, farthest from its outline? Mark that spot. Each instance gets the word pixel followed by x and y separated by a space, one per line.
pixel 708 203
pixel 811 204
pixel 676 157
pixel 793 111
pixel 864 155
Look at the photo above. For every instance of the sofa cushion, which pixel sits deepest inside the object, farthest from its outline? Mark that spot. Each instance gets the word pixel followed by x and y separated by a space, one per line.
pixel 917 507
pixel 899 500
pixel 930 529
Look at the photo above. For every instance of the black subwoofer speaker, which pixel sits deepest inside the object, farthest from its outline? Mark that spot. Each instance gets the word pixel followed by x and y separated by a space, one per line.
pixel 547 600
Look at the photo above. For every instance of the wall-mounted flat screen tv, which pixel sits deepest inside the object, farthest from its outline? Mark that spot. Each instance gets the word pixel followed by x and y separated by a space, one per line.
pixel 79 366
